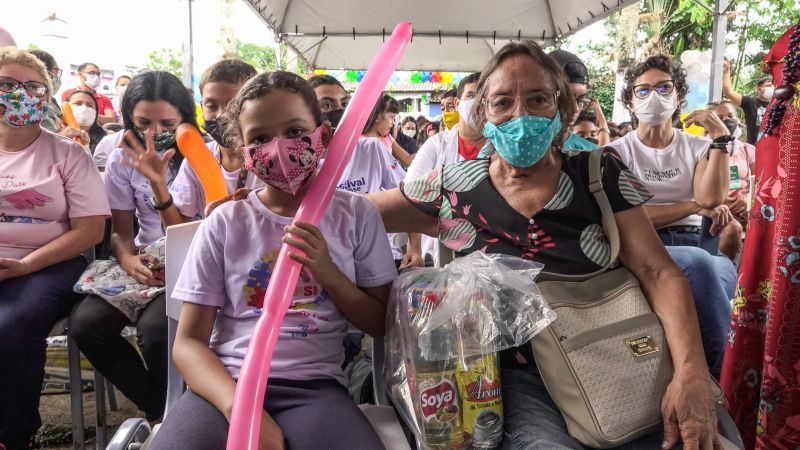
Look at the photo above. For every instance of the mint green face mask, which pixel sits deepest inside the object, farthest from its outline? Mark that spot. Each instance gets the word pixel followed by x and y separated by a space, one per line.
pixel 525 140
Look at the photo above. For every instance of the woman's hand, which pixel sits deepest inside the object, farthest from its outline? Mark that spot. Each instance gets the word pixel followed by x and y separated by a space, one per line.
pixel 412 259
pixel 720 218
pixel 72 133
pixel 708 120
pixel 12 268
pixel 137 267
pixel 146 160
pixel 689 412
pixel 271 436
pixel 240 194
pixel 738 205
pixel 308 239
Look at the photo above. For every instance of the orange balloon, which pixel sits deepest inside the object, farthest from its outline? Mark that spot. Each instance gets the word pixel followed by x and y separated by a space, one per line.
pixel 69 119
pixel 194 149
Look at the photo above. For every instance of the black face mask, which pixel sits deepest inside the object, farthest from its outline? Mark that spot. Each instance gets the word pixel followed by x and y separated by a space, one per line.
pixel 334 117
pixel 593 140
pixel 215 130
pixel 731 124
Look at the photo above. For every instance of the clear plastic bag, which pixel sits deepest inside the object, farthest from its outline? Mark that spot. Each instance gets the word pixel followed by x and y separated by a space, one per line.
pixel 446 328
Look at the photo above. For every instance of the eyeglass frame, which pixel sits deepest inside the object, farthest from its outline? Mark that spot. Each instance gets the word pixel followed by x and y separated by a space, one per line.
pixel 485 101
pixel 653 89
pixel 25 86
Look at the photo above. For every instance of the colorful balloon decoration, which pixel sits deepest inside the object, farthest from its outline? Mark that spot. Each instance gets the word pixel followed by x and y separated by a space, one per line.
pixel 436 77
pixel 245 423
pixel 447 77
pixel 416 77
pixel 351 76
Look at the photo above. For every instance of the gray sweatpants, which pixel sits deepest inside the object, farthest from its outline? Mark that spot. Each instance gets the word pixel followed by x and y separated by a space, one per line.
pixel 313 415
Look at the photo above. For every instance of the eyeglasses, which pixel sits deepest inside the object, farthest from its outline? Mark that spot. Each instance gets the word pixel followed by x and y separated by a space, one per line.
pixel 56 73
pixel 97 74
pixel 8 84
pixel 541 102
pixel 665 87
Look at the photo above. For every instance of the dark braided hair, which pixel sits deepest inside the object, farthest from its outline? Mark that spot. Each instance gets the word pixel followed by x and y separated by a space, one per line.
pixel 791 75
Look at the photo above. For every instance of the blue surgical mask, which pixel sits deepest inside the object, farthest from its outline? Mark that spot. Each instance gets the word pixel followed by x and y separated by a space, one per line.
pixel 525 140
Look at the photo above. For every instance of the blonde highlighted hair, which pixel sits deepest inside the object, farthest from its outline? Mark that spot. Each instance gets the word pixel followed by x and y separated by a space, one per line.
pixel 13 55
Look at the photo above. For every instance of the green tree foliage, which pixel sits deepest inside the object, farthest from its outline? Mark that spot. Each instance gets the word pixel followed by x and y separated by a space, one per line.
pixel 262 58
pixel 166 59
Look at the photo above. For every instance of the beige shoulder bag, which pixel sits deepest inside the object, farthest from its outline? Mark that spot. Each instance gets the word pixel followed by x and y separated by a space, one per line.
pixel 605 360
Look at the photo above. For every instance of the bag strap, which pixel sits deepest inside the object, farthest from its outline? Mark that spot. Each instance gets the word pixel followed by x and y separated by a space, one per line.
pixel 596 188
pixel 609 222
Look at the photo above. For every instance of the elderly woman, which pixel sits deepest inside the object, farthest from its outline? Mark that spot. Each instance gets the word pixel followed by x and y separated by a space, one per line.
pixel 49 214
pixel 531 200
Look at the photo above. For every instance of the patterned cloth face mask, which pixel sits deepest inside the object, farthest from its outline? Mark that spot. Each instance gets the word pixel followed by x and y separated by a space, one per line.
pixel 525 140
pixel 164 140
pixel 287 164
pixel 20 108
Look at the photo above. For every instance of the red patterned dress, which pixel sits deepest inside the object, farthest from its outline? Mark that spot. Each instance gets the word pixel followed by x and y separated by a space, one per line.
pixel 761 370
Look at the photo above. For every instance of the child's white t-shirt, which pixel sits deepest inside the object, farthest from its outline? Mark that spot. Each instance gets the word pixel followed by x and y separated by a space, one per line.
pixel 188 194
pixel 372 168
pixel 232 257
pixel 668 172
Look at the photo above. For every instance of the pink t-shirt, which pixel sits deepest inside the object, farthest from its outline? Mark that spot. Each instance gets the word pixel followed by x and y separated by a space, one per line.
pixel 743 156
pixel 230 263
pixel 41 188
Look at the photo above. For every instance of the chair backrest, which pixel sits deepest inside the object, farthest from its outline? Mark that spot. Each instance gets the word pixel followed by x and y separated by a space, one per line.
pixel 179 237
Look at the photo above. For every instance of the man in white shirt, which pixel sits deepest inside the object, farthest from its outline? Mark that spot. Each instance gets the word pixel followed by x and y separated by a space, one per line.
pixel 464 141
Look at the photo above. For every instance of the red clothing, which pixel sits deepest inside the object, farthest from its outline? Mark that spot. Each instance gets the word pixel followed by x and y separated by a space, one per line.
pixel 468 149
pixel 103 103
pixel 761 369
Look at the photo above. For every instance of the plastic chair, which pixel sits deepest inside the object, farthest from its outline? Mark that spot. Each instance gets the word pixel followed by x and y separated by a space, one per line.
pixel 103 391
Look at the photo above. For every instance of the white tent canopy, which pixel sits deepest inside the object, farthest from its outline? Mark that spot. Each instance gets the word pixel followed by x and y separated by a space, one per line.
pixel 449 36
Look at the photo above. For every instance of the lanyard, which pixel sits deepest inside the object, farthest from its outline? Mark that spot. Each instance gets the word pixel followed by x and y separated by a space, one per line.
pixel 242 172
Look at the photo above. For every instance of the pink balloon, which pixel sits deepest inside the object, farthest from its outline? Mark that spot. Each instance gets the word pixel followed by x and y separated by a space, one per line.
pixel 245 425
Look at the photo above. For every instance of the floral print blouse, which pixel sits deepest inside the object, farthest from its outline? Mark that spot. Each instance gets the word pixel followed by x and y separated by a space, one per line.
pixel 566 235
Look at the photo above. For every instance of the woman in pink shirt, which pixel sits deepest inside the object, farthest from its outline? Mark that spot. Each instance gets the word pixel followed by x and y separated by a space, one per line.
pixel 49 214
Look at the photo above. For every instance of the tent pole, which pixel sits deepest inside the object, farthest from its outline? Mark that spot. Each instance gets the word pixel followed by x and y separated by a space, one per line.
pixel 188 60
pixel 719 31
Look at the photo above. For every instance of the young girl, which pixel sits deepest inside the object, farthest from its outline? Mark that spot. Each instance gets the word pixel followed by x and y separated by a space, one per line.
pixel 347 271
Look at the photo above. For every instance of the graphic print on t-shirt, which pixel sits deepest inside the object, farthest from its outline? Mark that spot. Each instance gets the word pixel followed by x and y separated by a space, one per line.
pixel 307 299
pixel 661 175
pixel 25 199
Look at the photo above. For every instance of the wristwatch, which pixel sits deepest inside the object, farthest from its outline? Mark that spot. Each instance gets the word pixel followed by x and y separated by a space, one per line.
pixel 723 143
pixel 162 206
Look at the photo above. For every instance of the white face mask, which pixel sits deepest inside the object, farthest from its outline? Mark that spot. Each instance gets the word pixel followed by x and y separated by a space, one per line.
pixel 121 90
pixel 737 133
pixel 655 108
pixel 84 115
pixel 409 133
pixel 93 81
pixel 465 111
pixel 768 92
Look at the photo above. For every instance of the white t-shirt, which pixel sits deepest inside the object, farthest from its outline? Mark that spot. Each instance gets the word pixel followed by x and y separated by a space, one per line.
pixel 439 150
pixel 232 257
pixel 372 168
pixel 187 191
pixel 129 190
pixel 106 146
pixel 668 172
